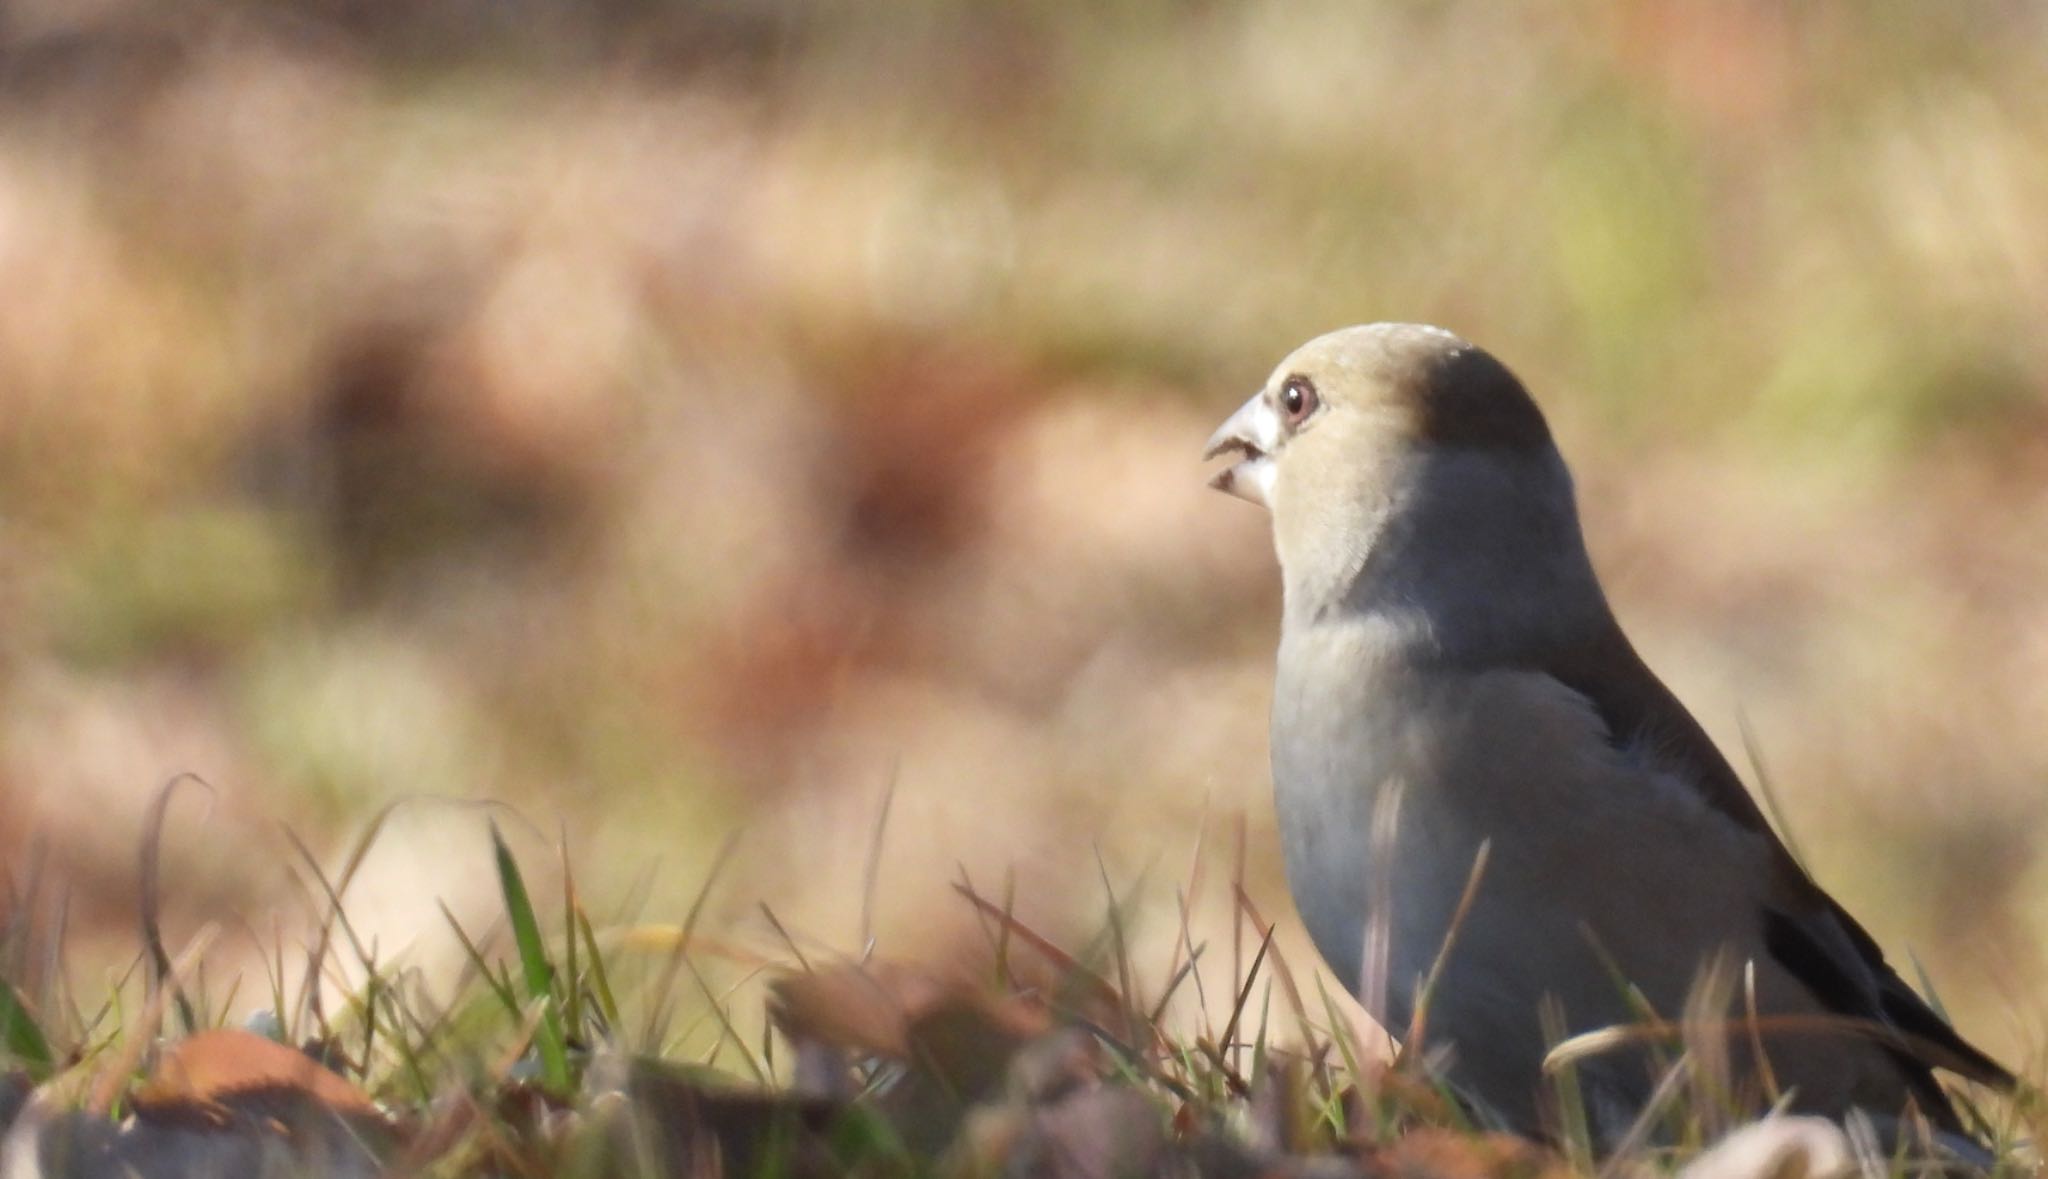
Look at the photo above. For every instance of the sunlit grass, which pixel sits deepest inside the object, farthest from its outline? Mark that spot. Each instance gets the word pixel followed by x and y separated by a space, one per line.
pixel 560 1053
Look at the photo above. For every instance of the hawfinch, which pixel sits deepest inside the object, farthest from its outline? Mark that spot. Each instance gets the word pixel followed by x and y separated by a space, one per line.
pixel 1451 679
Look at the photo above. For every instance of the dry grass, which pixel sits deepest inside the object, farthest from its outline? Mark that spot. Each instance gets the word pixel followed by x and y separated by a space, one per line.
pixel 574 1047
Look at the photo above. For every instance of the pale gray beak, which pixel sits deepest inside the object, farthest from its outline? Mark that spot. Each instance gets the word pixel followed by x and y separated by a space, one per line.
pixel 1254 432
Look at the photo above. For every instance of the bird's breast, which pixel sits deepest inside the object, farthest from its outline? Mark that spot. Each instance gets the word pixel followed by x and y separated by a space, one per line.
pixel 1375 858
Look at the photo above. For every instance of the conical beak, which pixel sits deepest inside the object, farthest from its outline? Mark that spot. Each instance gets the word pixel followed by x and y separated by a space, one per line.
pixel 1254 432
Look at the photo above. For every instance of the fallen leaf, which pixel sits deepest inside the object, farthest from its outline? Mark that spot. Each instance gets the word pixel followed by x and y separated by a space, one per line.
pixel 1437 1153
pixel 215 1066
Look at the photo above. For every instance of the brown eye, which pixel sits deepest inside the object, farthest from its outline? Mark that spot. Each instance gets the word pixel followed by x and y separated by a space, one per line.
pixel 1298 399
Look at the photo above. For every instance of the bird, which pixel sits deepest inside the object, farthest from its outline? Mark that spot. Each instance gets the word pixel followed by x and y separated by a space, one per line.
pixel 1498 825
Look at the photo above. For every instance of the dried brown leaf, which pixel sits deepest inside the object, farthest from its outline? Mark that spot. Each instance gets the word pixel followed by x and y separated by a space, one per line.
pixel 215 1066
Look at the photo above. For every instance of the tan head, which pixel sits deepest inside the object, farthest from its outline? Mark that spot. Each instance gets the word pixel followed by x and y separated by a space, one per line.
pixel 1405 448
pixel 1365 390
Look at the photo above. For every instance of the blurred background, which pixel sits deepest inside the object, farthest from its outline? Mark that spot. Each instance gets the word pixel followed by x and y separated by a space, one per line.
pixel 682 422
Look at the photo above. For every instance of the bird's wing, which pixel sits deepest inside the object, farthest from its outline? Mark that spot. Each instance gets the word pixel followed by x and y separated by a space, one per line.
pixel 1809 934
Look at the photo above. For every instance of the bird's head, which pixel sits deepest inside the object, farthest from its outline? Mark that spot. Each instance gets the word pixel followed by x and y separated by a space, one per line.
pixel 1403 455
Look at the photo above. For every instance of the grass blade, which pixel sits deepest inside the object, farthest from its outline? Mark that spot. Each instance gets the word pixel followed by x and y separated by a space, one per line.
pixel 534 966
pixel 20 1037
pixel 600 976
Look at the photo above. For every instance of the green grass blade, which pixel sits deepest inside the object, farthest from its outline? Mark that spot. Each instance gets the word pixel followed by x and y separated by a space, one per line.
pixel 600 976
pixel 572 988
pixel 20 1037
pixel 534 965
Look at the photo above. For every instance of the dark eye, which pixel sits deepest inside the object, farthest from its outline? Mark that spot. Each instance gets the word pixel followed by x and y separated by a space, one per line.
pixel 1298 399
